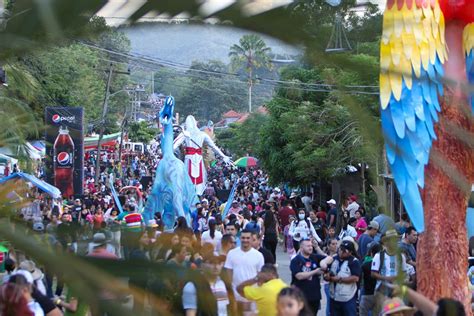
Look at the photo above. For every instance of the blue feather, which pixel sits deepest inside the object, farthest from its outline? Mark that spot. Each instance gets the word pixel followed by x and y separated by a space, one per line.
pixel 425 85
pixel 408 128
pixel 389 134
pixel 429 122
pixel 419 150
pixel 397 117
pixel 470 74
pixel 399 172
pixel 408 109
pixel 414 205
pixel 417 99
pixel 434 97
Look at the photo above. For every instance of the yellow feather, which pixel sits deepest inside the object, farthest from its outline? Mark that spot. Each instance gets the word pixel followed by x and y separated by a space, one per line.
pixel 395 49
pixel 437 12
pixel 441 29
pixel 427 35
pixel 417 14
pixel 416 60
pixel 385 90
pixel 408 19
pixel 405 68
pixel 418 32
pixel 385 56
pixel 425 54
pixel 468 38
pixel 408 40
pixel 432 44
pixel 440 50
pixel 387 26
pixel 427 12
pixel 398 22
pixel 395 82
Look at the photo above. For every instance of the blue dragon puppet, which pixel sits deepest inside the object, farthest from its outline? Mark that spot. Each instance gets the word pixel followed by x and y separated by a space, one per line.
pixel 173 194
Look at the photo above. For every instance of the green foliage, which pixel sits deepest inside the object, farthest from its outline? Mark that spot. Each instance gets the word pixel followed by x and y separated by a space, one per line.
pixel 74 75
pixel 142 132
pixel 243 138
pixel 209 96
pixel 251 53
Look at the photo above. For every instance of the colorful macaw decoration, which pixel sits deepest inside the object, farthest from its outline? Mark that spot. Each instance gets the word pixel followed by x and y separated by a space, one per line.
pixel 172 194
pixel 427 61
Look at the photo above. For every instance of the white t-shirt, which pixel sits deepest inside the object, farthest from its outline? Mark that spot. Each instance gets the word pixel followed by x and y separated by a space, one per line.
pixel 218 289
pixel 352 208
pixel 244 266
pixel 391 266
pixel 350 231
pixel 216 242
pixel 35 308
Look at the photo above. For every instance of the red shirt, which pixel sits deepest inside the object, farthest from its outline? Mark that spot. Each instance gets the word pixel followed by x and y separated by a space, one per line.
pixel 102 253
pixel 321 215
pixel 285 213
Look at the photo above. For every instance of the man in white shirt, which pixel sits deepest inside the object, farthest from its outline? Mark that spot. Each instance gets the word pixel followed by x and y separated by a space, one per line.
pixel 242 264
pixel 386 267
pixel 353 205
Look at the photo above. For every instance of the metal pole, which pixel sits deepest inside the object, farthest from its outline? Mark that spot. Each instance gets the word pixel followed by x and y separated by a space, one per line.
pixel 102 127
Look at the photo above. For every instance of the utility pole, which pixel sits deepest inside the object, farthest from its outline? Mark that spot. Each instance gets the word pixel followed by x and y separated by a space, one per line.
pixel 102 122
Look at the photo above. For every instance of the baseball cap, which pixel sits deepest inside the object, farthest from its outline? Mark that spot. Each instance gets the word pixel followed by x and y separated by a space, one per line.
pixel 374 224
pixel 391 233
pixel 331 201
pixel 99 239
pixel 38 226
pixel 26 274
pixel 346 244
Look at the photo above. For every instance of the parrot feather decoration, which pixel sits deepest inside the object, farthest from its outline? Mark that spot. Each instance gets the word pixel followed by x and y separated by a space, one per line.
pixel 427 67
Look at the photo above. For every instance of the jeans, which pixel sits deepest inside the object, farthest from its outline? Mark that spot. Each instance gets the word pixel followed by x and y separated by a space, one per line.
pixel 348 308
pixel 328 305
pixel 367 305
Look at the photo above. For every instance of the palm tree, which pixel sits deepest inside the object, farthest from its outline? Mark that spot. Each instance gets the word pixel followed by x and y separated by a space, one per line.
pixel 252 53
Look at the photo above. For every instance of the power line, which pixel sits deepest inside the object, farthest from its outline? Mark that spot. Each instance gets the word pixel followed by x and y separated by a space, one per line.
pixel 163 63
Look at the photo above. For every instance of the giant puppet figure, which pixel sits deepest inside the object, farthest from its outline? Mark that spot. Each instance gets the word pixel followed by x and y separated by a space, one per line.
pixel 194 162
pixel 172 194
pixel 427 61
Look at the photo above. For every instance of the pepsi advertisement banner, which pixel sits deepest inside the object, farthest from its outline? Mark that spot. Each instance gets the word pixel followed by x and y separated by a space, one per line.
pixel 65 149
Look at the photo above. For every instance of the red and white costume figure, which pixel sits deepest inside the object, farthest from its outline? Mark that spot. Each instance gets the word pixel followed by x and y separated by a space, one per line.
pixel 193 159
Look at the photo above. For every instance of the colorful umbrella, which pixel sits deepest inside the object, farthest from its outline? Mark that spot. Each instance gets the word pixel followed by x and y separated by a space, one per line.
pixel 245 162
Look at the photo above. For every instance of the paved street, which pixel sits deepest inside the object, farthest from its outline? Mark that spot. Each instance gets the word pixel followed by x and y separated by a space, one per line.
pixel 285 274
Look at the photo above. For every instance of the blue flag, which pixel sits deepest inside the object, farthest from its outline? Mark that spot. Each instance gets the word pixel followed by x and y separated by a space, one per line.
pixel 114 194
pixel 230 199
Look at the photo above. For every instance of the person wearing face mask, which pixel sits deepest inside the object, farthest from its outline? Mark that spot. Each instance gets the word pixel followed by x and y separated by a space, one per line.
pixel 302 228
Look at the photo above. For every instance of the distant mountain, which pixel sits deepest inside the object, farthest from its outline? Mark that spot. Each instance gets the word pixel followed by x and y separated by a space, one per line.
pixel 183 43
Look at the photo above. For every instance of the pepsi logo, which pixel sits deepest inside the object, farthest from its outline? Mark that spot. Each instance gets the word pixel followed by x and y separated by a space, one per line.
pixel 63 158
pixel 56 118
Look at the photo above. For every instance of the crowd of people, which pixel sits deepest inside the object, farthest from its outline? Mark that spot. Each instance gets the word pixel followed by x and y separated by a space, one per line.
pixel 364 265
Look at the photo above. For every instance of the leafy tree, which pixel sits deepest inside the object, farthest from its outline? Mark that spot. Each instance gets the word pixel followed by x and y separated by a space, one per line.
pixel 209 96
pixel 251 53
pixel 243 138
pixel 142 132
pixel 73 75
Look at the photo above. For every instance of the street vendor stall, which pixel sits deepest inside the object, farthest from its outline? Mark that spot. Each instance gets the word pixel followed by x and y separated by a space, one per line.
pixel 40 184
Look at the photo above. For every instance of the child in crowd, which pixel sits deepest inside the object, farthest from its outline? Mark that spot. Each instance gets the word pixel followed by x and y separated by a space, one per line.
pixel 291 302
pixel 289 240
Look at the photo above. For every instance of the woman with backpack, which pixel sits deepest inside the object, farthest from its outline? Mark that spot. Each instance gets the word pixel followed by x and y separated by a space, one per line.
pixel 301 228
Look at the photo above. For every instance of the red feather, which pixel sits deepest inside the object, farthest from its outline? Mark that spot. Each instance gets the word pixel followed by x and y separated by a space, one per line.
pixel 462 10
